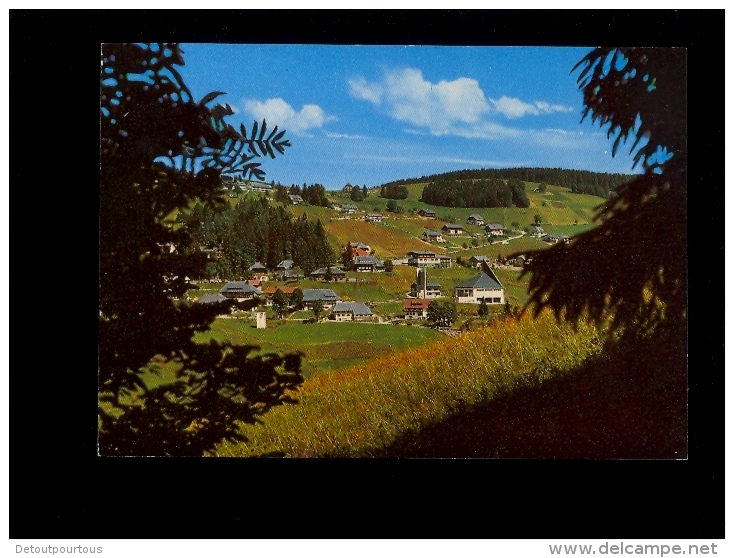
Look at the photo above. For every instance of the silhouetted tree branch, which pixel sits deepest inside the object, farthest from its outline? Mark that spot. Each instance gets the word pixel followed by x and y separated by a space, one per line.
pixel 631 269
pixel 161 150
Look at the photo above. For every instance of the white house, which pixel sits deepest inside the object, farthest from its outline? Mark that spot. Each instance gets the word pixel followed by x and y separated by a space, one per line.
pixel 373 217
pixel 418 258
pixel 350 311
pixel 485 286
pixel 475 219
pixel 452 229
pixel 495 229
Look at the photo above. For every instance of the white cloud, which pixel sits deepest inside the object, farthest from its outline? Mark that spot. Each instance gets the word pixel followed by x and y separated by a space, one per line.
pixel 360 89
pixel 512 107
pixel 277 111
pixel 408 97
pixel 457 108
pixel 344 136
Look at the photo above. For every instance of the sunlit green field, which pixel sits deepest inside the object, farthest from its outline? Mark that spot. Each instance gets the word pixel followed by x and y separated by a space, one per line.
pixel 325 346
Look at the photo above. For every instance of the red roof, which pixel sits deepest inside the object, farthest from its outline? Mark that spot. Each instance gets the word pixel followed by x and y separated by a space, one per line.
pixel 286 290
pixel 420 303
pixel 359 252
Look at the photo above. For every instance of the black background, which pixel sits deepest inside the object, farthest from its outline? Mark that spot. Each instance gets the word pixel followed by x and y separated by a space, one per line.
pixel 59 488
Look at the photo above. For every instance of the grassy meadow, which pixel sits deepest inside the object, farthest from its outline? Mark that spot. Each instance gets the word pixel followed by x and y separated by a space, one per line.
pixel 324 346
pixel 363 409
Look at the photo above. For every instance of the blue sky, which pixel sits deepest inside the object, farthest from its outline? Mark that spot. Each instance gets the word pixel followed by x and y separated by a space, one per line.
pixel 371 114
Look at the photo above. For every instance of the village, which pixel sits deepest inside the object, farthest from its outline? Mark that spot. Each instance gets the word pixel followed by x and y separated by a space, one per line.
pixel 285 292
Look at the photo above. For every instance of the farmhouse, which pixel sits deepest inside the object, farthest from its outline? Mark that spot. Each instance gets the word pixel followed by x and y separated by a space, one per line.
pixel 349 311
pixel 368 264
pixel 295 199
pixel 240 290
pixel 328 297
pixel 495 229
pixel 418 258
pixel 373 217
pixel 415 308
pixel 484 286
pixel 337 274
pixel 475 219
pixel 348 208
pixel 477 261
pixel 429 213
pixel 211 298
pixel 452 229
pixel 259 271
pixel 284 265
pixel 432 236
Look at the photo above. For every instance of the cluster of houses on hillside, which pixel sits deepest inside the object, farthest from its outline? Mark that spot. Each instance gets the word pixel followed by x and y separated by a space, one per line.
pixel 433 237
pixel 485 286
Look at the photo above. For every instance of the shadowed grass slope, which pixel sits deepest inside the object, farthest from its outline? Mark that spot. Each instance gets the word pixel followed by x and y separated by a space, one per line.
pixel 359 411
pixel 628 402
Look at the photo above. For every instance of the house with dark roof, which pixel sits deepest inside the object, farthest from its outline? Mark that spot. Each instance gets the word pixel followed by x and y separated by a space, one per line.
pixel 296 199
pixel 419 257
pixel 452 229
pixel 240 290
pixel 259 271
pixel 373 217
pixel 211 298
pixel 285 264
pixel 485 286
pixel 350 311
pixel 475 219
pixel 348 208
pixel 369 264
pixel 328 298
pixel 429 213
pixel 337 274
pixel 432 236
pixel 416 308
pixel 495 229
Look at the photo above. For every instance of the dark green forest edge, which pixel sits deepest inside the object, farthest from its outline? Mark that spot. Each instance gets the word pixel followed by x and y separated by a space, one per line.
pixel 254 231
pixel 504 187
